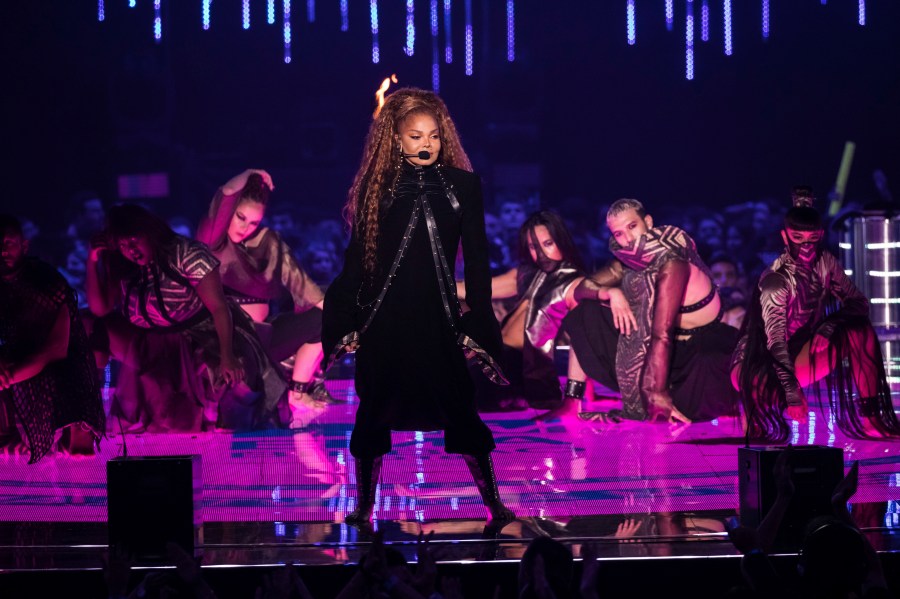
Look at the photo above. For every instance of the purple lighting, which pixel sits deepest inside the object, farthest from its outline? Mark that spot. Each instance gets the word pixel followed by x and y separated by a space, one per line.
pixel 101 11
pixel 510 30
pixel 311 11
pixel 246 14
pixel 729 48
pixel 157 20
pixel 670 14
pixel 629 23
pixel 373 17
pixel 435 47
pixel 410 27
pixel 689 42
pixel 345 16
pixel 287 31
pixel 470 53
pixel 448 44
pixel 862 12
pixel 765 19
pixel 704 21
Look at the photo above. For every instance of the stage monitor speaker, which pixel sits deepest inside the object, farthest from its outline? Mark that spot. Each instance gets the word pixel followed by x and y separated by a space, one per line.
pixel 816 472
pixel 152 501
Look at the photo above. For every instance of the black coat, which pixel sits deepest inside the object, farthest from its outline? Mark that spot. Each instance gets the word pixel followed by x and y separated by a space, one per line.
pixel 410 372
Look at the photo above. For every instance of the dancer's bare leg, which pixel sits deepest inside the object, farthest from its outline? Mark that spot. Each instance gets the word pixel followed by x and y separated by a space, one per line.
pixel 306 361
pixel 573 393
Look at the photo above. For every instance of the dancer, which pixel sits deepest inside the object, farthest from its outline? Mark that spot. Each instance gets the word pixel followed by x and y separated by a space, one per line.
pixel 544 285
pixel 794 335
pixel 661 342
pixel 174 326
pixel 47 377
pixel 256 267
pixel 413 200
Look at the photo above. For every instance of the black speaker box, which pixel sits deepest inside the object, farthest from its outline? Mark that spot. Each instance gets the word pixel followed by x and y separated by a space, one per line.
pixel 152 501
pixel 816 472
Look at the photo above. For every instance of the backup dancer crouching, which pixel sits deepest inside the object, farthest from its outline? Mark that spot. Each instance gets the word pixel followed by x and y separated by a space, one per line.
pixel 544 286
pixel 190 358
pixel 795 334
pixel 48 381
pixel 256 268
pixel 661 341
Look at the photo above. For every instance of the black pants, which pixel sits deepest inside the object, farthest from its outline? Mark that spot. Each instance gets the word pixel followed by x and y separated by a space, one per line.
pixel 700 371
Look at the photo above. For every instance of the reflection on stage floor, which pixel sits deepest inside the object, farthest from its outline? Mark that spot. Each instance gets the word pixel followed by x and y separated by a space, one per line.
pixel 638 490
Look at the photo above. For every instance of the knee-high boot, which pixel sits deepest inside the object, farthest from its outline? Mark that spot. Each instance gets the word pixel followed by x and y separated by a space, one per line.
pixel 368 471
pixel 671 284
pixel 482 469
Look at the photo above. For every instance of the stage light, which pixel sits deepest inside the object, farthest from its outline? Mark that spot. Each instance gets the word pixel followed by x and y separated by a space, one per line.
pixel 287 30
pixel 246 14
pixel 470 53
pixel 373 17
pixel 689 42
pixel 270 12
pixel 448 27
pixel 629 22
pixel 765 19
pixel 204 13
pixel 704 21
pixel 345 16
pixel 435 48
pixel 157 20
pixel 410 27
pixel 862 12
pixel 729 48
pixel 132 3
pixel 510 30
pixel 670 14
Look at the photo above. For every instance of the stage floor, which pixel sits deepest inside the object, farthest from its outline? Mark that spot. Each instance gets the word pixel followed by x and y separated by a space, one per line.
pixel 639 490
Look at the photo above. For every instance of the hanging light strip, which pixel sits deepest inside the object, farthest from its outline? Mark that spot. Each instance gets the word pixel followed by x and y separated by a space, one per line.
pixel 765 19
pixel 311 11
pixel 670 14
pixel 862 12
pixel 510 30
pixel 373 17
pixel 270 12
pixel 435 48
pixel 470 51
pixel 246 14
pixel 101 11
pixel 726 5
pixel 345 16
pixel 410 27
pixel 689 41
pixel 157 20
pixel 204 13
pixel 630 31
pixel 448 44
pixel 286 29
pixel 704 21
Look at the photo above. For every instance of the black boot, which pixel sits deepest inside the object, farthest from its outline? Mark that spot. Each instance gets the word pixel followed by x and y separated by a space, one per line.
pixel 482 469
pixel 367 472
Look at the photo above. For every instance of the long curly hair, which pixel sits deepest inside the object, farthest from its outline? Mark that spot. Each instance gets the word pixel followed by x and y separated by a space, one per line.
pixel 380 165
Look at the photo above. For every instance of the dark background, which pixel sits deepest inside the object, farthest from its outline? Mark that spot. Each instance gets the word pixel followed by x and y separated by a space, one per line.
pixel 578 114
